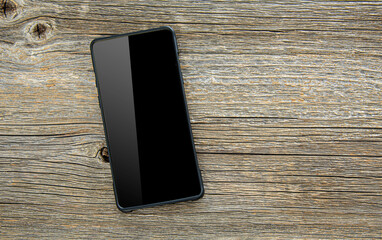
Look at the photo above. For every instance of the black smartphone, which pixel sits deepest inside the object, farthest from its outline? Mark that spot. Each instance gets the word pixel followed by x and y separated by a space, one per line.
pixel 145 116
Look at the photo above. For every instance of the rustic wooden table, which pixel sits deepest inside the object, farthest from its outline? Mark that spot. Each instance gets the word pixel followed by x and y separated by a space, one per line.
pixel 285 102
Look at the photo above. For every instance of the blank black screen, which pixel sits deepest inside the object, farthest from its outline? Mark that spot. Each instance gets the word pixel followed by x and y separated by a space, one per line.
pixel 145 116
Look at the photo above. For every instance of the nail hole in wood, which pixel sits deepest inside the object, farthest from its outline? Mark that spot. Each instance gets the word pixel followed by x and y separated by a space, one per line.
pixel 104 154
pixel 8 8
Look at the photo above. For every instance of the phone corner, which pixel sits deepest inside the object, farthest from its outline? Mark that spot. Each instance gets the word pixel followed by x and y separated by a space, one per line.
pixel 122 209
pixel 168 28
pixel 91 45
pixel 201 193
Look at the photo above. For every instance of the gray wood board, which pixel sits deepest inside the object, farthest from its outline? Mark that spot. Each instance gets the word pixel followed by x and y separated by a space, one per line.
pixel 285 104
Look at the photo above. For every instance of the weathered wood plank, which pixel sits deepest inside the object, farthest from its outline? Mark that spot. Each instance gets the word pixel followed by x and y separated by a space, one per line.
pixel 285 103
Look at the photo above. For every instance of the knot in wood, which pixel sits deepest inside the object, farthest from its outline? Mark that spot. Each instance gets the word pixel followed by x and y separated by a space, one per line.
pixel 104 154
pixel 39 31
pixel 8 9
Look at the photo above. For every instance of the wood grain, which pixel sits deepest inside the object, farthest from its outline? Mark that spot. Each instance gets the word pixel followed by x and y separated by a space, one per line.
pixel 285 103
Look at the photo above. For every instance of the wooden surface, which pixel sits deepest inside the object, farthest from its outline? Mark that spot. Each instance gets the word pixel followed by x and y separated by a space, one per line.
pixel 285 103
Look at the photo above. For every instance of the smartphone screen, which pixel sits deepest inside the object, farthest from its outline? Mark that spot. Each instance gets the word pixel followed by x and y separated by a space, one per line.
pixel 145 117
